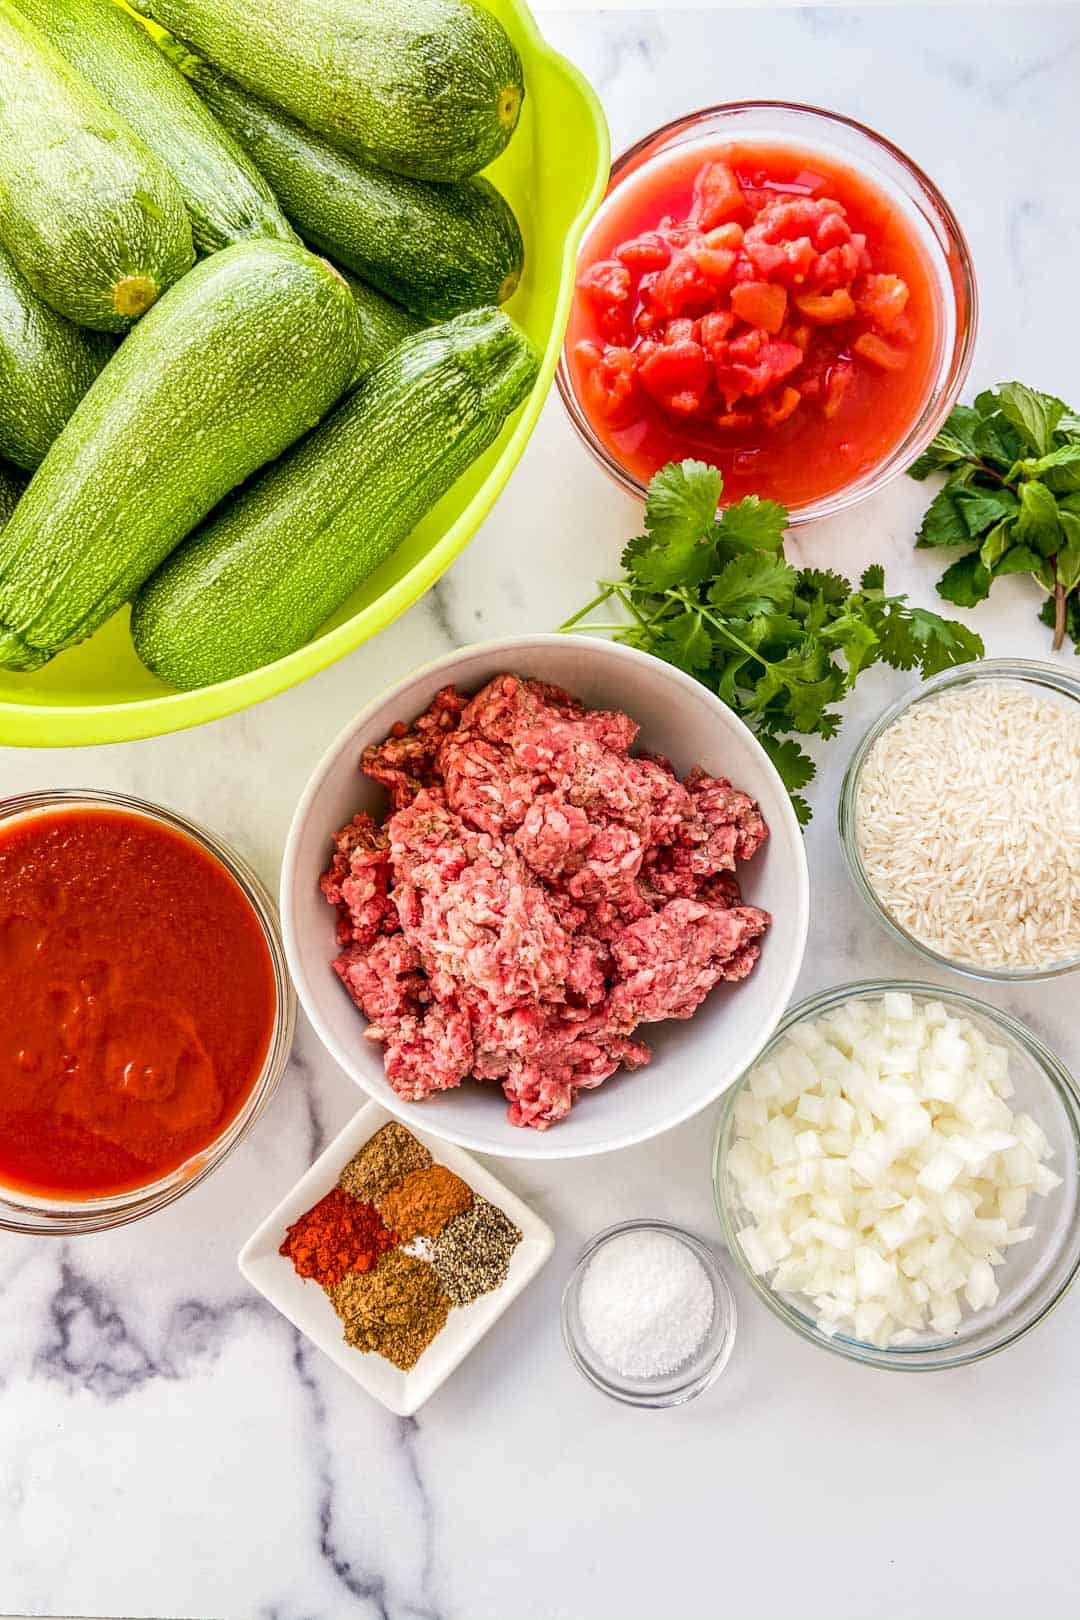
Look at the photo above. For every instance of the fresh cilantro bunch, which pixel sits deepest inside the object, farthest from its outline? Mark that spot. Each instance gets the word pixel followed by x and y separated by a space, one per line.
pixel 715 596
pixel 1012 499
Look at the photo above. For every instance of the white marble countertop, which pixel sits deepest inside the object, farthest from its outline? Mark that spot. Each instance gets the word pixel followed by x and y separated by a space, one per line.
pixel 170 1447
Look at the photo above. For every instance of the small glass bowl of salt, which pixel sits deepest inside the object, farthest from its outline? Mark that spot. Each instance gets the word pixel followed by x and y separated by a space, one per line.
pixel 647 1315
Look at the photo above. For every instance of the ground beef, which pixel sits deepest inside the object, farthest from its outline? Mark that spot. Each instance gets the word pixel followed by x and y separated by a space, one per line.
pixel 535 894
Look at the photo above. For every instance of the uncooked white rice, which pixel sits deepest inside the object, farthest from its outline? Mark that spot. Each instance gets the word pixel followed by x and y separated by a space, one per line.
pixel 967 819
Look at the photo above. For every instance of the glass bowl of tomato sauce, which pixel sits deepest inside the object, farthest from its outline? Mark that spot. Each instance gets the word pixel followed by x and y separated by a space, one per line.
pixel 774 289
pixel 146 1011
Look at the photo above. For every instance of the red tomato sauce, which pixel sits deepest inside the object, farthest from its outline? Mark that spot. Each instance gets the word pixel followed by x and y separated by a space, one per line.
pixel 762 308
pixel 137 1001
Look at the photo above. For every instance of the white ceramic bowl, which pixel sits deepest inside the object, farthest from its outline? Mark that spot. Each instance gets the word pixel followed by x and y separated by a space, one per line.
pixel 693 1061
pixel 308 1308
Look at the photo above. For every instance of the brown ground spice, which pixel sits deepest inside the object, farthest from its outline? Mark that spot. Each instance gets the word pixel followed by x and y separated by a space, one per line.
pixel 384 1161
pixel 425 1202
pixel 395 1310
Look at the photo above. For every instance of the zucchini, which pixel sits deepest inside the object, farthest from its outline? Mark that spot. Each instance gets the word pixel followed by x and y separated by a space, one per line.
pixel 46 366
pixel 232 365
pixel 12 484
pixel 382 326
pixel 263 574
pixel 92 218
pixel 430 88
pixel 226 197
pixel 438 250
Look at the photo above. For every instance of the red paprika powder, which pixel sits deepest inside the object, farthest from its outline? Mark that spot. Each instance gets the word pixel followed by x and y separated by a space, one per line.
pixel 339 1234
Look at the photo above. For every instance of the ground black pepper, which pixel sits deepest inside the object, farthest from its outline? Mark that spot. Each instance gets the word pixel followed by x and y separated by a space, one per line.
pixel 471 1256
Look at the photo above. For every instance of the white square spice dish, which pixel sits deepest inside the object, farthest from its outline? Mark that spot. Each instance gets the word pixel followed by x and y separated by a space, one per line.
pixel 307 1307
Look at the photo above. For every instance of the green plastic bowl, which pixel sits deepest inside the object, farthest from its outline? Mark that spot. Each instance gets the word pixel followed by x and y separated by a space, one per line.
pixel 554 173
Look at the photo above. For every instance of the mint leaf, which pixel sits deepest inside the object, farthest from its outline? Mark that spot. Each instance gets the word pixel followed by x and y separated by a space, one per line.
pixel 1067 563
pixel 1059 471
pixel 1033 415
pixel 942 524
pixel 753 583
pixel 996 544
pixel 1017 560
pixel 1038 524
pixel 966 582
pixel 981 508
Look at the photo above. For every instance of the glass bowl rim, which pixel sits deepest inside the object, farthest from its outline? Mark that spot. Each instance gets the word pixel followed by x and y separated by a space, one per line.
pixel 902 1358
pixel 848 496
pixel 723 1297
pixel 43 1216
pixel 1033 672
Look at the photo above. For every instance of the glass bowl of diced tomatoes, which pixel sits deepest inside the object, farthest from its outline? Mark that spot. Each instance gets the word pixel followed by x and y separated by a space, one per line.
pixel 774 289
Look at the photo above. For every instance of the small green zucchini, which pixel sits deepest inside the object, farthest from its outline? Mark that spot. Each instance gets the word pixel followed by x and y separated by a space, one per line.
pixel 226 197
pixel 233 364
pixel 92 218
pixel 383 325
pixel 12 484
pixel 431 88
pixel 436 249
pixel 46 366
pixel 257 581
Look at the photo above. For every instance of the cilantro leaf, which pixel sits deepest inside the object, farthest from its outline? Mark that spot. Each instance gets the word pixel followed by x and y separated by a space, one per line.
pixel 753 525
pixel 753 583
pixel 681 502
pixel 781 646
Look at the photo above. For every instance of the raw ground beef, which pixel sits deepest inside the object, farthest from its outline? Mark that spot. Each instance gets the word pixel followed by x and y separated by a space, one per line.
pixel 535 894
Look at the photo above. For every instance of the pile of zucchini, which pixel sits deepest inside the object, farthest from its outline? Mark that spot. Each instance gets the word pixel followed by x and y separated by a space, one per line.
pixel 225 233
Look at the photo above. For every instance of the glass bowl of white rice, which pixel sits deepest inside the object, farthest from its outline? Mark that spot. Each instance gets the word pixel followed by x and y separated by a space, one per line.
pixel 960 819
pixel 898 1175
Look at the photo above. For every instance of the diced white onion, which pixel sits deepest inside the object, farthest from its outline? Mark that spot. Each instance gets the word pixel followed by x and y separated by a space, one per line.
pixel 882 1171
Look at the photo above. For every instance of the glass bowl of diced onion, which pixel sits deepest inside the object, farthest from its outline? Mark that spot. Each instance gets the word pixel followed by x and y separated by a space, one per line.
pixel 898 1175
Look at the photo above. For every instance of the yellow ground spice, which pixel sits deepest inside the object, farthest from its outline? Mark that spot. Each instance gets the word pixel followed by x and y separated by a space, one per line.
pixel 395 1310
pixel 425 1202
pixel 383 1161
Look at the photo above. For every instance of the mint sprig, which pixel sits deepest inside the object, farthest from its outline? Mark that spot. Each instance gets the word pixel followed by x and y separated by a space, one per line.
pixel 781 646
pixel 1011 500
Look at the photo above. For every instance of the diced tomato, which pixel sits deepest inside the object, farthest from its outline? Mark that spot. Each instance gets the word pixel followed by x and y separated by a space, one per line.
pixel 725 236
pixel 729 420
pixel 753 311
pixel 883 300
pixel 647 252
pixel 715 328
pixel 835 267
pixel 676 376
pixel 879 353
pixel 826 309
pixel 775 411
pixel 831 231
pixel 681 330
pixel 609 379
pixel 760 303
pixel 836 386
pixel 717 196
pixel 606 282
pixel 682 286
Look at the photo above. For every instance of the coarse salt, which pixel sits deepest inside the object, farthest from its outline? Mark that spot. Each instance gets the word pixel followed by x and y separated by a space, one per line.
pixel 646 1304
